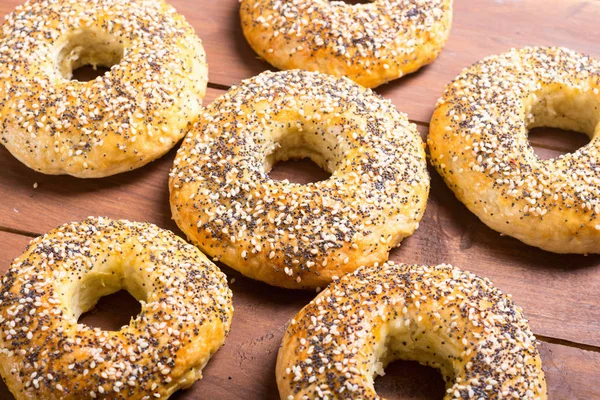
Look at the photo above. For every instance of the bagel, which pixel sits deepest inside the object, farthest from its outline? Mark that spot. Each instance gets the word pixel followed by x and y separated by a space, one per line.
pixel 478 144
pixel 185 313
pixel 287 234
pixel 369 43
pixel 119 121
pixel 439 316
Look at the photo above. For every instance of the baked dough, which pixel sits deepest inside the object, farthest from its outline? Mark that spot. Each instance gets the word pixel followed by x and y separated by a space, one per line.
pixel 439 316
pixel 478 143
pixel 287 234
pixel 185 313
pixel 119 121
pixel 369 43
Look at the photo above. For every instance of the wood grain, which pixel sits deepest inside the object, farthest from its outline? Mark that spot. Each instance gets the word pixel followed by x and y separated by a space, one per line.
pixel 557 292
pixel 244 367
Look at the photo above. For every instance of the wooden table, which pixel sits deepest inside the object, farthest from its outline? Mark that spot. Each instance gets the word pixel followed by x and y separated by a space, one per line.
pixel 559 293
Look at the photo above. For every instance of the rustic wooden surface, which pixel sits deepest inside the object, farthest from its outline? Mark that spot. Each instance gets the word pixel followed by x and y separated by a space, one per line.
pixel 558 293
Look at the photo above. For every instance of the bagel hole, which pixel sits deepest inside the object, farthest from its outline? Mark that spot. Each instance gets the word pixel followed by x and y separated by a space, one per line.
pixel 88 73
pixel 301 157
pixel 561 120
pixel 549 143
pixel 352 2
pixel 112 311
pixel 303 171
pixel 89 54
pixel 410 380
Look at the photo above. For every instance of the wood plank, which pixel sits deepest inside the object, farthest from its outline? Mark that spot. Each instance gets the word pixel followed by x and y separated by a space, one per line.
pixel 480 28
pixel 244 367
pixel 571 373
pixel 557 141
pixel 13 245
pixel 557 291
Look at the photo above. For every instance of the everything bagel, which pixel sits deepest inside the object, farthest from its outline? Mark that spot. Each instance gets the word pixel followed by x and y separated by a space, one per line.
pixel 122 120
pixel 478 144
pixel 370 43
pixel 185 314
pixel 438 316
pixel 293 235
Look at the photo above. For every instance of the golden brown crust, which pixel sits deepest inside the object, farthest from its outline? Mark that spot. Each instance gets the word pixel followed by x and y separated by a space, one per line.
pixel 122 120
pixel 185 315
pixel 478 143
pixel 286 234
pixel 369 43
pixel 438 316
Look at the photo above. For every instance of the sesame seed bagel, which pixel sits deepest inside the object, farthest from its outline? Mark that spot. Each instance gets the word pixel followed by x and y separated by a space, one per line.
pixel 478 143
pixel 185 313
pixel 370 43
pixel 288 234
pixel 119 121
pixel 439 316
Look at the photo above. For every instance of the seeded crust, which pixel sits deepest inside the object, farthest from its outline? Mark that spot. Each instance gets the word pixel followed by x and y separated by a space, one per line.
pixel 293 235
pixel 439 316
pixel 118 122
pixel 369 43
pixel 478 143
pixel 185 315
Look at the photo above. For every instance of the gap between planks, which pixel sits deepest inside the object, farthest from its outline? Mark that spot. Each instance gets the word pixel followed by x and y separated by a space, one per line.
pixel 567 343
pixel 542 338
pixel 19 232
